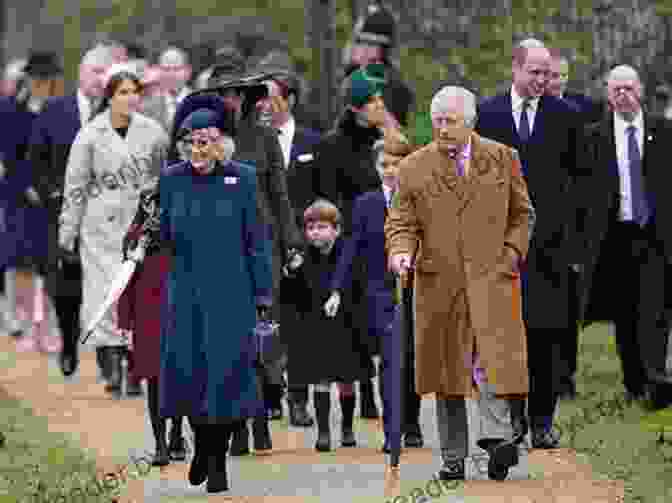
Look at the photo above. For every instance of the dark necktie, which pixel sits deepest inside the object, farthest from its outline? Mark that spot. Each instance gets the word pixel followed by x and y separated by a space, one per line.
pixel 524 126
pixel 640 207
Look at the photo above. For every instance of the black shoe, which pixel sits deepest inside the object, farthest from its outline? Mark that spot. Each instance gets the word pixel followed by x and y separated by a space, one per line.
pixel 348 438
pixel 367 403
pixel 275 414
pixel 298 415
pixel 413 438
pixel 240 441
pixel 218 480
pixel 198 470
pixel 323 443
pixel 161 457
pixel 261 434
pixel 452 471
pixel 177 449
pixel 2 439
pixel 503 455
pixel 545 439
pixel 68 363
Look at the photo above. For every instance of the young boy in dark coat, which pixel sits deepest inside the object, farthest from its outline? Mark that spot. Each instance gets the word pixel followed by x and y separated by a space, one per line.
pixel 325 349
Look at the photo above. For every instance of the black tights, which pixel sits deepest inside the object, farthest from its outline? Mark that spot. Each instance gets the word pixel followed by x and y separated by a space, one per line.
pixel 158 422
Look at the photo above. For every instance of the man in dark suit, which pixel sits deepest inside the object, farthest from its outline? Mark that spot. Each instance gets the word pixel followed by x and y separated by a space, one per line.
pixel 53 133
pixel 297 144
pixel 543 130
pixel 626 239
pixel 589 111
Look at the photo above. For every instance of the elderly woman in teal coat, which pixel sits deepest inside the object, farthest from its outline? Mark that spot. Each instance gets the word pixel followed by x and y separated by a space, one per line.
pixel 219 284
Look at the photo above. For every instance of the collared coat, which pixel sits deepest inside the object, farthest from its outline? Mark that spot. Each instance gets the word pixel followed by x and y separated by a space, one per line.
pixel 103 180
pixel 221 268
pixel 457 229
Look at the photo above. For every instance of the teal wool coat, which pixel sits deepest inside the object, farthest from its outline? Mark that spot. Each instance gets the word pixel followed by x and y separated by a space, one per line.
pixel 221 271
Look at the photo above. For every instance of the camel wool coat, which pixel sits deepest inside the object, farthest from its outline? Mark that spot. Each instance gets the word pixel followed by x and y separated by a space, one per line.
pixel 457 229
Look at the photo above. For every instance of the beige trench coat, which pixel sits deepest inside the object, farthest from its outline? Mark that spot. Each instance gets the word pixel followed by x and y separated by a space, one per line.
pixel 103 179
pixel 457 228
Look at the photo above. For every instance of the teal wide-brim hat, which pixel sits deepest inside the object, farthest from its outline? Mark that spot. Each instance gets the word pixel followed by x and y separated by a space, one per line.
pixel 363 84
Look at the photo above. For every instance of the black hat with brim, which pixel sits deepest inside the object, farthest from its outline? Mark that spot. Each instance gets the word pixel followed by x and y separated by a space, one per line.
pixel 43 65
pixel 212 112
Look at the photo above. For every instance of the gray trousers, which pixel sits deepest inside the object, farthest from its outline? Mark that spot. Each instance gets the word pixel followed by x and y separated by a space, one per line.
pixel 464 421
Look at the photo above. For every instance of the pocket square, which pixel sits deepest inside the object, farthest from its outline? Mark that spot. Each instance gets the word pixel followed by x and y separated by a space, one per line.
pixel 305 157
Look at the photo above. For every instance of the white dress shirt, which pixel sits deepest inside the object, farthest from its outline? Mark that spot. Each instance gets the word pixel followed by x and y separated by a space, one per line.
pixel 388 195
pixel 286 137
pixel 84 105
pixel 517 108
pixel 621 138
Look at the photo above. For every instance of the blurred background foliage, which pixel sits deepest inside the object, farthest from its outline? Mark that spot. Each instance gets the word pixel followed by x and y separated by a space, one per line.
pixel 472 49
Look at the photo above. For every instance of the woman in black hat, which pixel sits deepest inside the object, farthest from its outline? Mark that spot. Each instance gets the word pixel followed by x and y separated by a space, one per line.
pixel 221 272
pixel 23 234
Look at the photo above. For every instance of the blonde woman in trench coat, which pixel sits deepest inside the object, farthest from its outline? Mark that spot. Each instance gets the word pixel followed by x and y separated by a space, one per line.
pixel 111 159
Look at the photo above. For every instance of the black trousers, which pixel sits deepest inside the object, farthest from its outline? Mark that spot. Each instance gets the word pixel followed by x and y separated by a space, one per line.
pixel 632 261
pixel 569 344
pixel 65 289
pixel 544 347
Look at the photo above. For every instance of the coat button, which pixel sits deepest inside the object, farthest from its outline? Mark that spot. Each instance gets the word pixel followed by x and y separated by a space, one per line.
pixel 110 219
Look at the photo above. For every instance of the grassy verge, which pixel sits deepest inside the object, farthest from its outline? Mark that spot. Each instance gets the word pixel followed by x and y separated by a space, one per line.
pixel 37 465
pixel 621 441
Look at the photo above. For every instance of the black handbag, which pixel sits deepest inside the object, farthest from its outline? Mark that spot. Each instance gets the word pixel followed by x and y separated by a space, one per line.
pixel 269 349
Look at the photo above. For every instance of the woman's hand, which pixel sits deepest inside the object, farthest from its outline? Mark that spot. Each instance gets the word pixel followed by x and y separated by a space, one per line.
pixel 332 305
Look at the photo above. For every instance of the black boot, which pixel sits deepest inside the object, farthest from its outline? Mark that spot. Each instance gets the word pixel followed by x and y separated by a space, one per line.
pixel 322 401
pixel 348 411
pixel 177 448
pixel 298 409
pixel 112 368
pixel 518 420
pixel 2 440
pixel 198 470
pixel 240 440
pixel 412 433
pixel 503 455
pixel 218 480
pixel 158 424
pixel 261 433
pixel 367 402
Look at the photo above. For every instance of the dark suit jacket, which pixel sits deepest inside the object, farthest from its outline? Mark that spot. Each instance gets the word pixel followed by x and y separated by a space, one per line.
pixel 300 171
pixel 548 161
pixel 258 145
pixel 599 191
pixel 591 110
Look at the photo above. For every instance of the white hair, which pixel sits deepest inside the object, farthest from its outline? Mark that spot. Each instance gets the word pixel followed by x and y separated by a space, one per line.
pixel 623 72
pixel 466 97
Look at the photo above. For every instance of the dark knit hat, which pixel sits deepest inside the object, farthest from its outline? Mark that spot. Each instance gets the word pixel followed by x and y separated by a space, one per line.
pixel 377 27
pixel 43 65
pixel 363 84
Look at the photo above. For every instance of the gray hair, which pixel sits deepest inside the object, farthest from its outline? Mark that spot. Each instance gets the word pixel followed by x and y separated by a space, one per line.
pixel 465 96
pixel 99 55
pixel 623 72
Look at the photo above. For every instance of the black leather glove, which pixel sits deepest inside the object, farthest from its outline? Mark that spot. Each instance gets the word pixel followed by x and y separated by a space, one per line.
pixel 263 311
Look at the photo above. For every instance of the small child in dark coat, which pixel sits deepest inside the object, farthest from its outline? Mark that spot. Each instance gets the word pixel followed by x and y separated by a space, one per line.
pixel 324 350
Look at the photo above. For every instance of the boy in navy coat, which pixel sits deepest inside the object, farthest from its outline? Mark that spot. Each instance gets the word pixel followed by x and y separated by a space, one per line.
pixel 365 253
